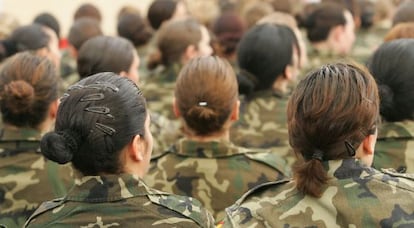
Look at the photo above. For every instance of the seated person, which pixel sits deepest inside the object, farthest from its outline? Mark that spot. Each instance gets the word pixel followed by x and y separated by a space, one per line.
pixel 205 164
pixel 392 67
pixel 332 117
pixel 29 102
pixel 102 126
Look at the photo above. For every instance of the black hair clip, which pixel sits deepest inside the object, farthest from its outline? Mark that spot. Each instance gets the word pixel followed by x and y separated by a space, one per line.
pixel 317 154
pixel 75 87
pixel 100 110
pixel 102 85
pixel 350 148
pixel 105 129
pixel 93 97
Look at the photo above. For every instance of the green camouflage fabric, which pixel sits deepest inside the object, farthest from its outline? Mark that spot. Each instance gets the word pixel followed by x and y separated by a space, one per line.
pixel 166 133
pixel 67 64
pixel 367 41
pixel 317 58
pixel 122 200
pixel 27 178
pixel 355 196
pixel 158 90
pixel 395 146
pixel 143 61
pixel 263 124
pixel 217 173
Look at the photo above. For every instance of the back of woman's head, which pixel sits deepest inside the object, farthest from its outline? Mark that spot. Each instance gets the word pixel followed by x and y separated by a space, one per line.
pixel 87 10
pixel 400 31
pixel 134 28
pixel 82 30
pixel 173 38
pixel 25 38
pixel 28 85
pixel 322 19
pixel 263 54
pixel 330 113
pixel 206 92
pixel 392 67
pixel 228 28
pixel 97 118
pixel 105 54
pixel 160 11
pixel 48 20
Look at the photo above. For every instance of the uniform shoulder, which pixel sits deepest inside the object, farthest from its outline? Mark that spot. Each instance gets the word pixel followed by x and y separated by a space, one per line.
pixel 187 206
pixel 402 180
pixel 45 206
pixel 269 158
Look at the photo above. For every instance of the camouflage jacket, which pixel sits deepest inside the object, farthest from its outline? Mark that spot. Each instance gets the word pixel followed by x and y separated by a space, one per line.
pixel 355 196
pixel 27 178
pixel 367 41
pixel 119 201
pixel 217 173
pixel 395 146
pixel 158 90
pixel 263 124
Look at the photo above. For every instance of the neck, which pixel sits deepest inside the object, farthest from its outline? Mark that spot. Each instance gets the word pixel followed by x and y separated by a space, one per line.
pixel 218 136
pixel 280 84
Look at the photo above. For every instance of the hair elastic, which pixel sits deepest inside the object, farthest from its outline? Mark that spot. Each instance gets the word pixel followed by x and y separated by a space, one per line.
pixel 317 154
pixel 202 103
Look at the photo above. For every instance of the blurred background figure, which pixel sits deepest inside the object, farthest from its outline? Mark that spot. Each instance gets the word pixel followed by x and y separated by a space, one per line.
pixel 392 67
pixel 29 103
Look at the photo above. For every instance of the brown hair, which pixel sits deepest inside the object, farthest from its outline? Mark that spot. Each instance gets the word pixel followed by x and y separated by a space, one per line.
pixel 203 108
pixel 173 39
pixel 28 85
pixel 88 10
pixel 329 114
pixel 399 31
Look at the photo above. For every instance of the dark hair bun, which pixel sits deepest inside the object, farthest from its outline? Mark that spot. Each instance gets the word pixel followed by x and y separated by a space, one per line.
pixel 59 146
pixel 18 96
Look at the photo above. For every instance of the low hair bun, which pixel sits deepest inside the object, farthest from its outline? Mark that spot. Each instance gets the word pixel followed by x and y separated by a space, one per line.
pixel 18 96
pixel 59 146
pixel 387 100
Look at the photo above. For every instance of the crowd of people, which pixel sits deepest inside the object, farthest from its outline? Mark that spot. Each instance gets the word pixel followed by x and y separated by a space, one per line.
pixel 210 113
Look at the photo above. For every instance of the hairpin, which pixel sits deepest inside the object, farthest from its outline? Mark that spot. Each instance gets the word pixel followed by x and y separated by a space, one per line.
pixel 105 129
pixel 350 148
pixel 93 97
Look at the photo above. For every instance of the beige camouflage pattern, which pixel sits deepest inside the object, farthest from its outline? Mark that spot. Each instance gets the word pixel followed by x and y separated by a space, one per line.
pixel 263 124
pixel 119 201
pixel 395 146
pixel 355 196
pixel 27 178
pixel 367 41
pixel 217 173
pixel 166 133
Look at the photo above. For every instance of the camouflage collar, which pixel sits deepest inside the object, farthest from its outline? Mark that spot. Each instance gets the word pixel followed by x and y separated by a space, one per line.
pixel 13 133
pixel 270 93
pixel 108 188
pixel 212 149
pixel 346 168
pixel 169 73
pixel 396 130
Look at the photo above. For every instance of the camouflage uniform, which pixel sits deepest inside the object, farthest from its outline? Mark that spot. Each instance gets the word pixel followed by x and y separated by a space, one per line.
pixel 167 132
pixel 68 70
pixel 27 178
pixel 367 41
pixel 158 90
pixel 119 201
pixel 263 124
pixel 355 196
pixel 217 173
pixel 395 146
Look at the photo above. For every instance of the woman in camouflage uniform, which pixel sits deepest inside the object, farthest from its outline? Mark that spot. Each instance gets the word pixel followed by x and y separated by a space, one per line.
pixel 268 57
pixel 29 101
pixel 205 164
pixel 392 67
pixel 332 117
pixel 102 126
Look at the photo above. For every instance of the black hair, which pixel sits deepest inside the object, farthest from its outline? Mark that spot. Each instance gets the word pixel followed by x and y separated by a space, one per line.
pixel 105 53
pixel 263 54
pixel 322 19
pixel 134 28
pixel 392 67
pixel 25 38
pixel 160 11
pixel 97 118
pixel 49 21
pixel 82 30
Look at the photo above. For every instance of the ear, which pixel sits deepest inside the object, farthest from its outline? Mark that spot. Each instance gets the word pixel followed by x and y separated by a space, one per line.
pixel 175 108
pixel 235 112
pixel 123 74
pixel 190 52
pixel 289 74
pixel 337 33
pixel 368 145
pixel 53 108
pixel 135 149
